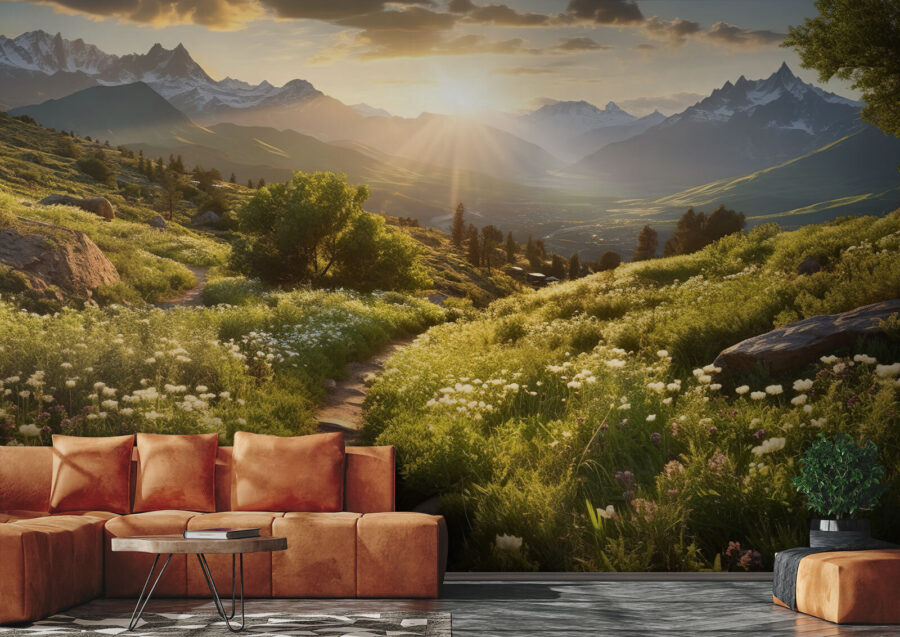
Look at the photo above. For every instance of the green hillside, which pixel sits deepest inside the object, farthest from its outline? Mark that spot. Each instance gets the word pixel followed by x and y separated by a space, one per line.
pixel 587 420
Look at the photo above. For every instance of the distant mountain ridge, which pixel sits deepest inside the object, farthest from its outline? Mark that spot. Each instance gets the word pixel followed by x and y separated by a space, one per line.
pixel 739 128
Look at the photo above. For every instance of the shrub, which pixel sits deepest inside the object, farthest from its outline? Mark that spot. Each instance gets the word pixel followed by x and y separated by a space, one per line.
pixel 840 477
pixel 97 169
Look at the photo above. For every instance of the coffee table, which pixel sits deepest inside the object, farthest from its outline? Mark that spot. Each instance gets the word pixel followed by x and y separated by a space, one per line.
pixel 177 545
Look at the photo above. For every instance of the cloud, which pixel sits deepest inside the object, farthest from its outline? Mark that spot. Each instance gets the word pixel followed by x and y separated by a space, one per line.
pixel 621 12
pixel 736 37
pixel 672 103
pixel 524 70
pixel 581 44
pixel 503 15
pixel 214 14
pixel 675 31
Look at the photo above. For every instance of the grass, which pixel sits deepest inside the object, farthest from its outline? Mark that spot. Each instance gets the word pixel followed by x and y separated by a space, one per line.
pixel 586 419
pixel 259 367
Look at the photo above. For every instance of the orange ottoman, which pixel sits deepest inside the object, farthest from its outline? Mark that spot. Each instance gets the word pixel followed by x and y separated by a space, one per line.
pixel 321 556
pixel 400 555
pixel 850 587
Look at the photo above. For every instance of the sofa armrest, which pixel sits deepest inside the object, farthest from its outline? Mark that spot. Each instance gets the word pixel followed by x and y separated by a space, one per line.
pixel 370 485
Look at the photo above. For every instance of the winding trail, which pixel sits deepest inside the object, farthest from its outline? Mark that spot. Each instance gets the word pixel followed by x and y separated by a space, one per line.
pixel 341 409
pixel 192 297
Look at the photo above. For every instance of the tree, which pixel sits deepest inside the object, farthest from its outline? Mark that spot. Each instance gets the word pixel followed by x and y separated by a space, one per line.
pixel 473 246
pixel 233 178
pixel 170 195
pixel 609 260
pixel 696 230
pixel 647 243
pixel 557 266
pixel 533 254
pixel 491 237
pixel 859 41
pixel 261 183
pixel 574 266
pixel 458 232
pixel 250 183
pixel 511 248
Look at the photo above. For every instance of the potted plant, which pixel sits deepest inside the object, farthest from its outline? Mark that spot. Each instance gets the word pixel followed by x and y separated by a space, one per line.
pixel 840 479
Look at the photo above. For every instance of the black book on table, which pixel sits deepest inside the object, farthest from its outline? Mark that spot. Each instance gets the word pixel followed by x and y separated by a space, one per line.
pixel 220 534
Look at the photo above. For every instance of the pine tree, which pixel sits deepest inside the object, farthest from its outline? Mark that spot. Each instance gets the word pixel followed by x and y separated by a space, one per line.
pixel 574 266
pixel 458 231
pixel 609 261
pixel 249 183
pixel 261 183
pixel 533 254
pixel 490 240
pixel 233 178
pixel 557 266
pixel 648 241
pixel 473 246
pixel 511 248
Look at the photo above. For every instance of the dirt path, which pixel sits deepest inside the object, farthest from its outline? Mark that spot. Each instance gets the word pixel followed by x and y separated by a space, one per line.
pixel 341 409
pixel 192 297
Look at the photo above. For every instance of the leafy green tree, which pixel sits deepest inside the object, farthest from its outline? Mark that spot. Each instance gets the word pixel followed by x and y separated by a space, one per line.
pixel 859 41
pixel 609 260
pixel 458 231
pixel 170 194
pixel 313 229
pixel 512 248
pixel 473 246
pixel 696 230
pixel 574 266
pixel 647 243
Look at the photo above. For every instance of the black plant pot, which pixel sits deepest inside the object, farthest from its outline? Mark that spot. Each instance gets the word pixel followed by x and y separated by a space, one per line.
pixel 838 534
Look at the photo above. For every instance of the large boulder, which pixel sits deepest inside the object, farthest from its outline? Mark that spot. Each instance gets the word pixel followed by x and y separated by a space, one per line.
pixel 799 344
pixel 51 256
pixel 208 218
pixel 100 206
pixel 158 222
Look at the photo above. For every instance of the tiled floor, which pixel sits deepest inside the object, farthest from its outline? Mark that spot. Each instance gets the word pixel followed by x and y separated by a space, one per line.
pixel 687 607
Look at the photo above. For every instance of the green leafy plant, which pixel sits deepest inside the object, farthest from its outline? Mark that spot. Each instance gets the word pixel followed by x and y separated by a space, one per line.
pixel 840 477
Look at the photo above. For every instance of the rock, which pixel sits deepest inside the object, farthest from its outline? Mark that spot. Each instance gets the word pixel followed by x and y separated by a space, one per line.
pixel 158 222
pixel 53 256
pixel 438 298
pixel 809 266
pixel 799 344
pixel 330 384
pixel 100 206
pixel 208 218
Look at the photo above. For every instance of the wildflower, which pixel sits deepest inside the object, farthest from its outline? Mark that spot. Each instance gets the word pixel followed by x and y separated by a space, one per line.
pixel 715 387
pixel 126 411
pixel 662 353
pixel 609 513
pixel 150 361
pixel 887 371
pixel 706 379
pixel 651 418
pixel 66 365
pixel 799 399
pixel 758 395
pixel 655 437
pixel 837 369
pixel 615 363
pixel 768 446
pixel 865 359
pixel 30 431
pixel 202 389
pixel 673 468
pixel 658 387
pixel 713 430
pixel 829 360
pixel 818 422
pixel 645 508
pixel 759 434
pixel 667 401
pixel 807 409
pixel 573 384
pixel 508 542
pixel 743 389
pixel 774 390
pixel 717 463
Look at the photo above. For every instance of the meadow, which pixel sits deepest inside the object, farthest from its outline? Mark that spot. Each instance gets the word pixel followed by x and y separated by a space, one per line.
pixel 257 366
pixel 584 426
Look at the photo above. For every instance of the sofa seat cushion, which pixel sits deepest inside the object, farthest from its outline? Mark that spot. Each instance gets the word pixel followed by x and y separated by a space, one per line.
pixel 176 472
pixel 127 572
pixel 14 516
pixel 274 473
pixel 400 555
pixel 257 566
pixel 851 586
pixel 48 564
pixel 91 473
pixel 320 560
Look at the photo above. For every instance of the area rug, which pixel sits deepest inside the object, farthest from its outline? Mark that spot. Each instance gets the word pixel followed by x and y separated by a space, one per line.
pixel 389 624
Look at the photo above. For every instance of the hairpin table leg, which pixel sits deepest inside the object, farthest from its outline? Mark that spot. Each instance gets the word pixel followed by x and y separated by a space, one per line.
pixel 142 599
pixel 220 607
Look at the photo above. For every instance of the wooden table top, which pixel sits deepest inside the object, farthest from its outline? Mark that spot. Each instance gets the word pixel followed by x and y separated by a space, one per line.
pixel 163 544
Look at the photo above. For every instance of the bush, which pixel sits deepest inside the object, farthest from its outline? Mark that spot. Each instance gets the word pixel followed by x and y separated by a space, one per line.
pixel 66 147
pixel 96 168
pixel 840 477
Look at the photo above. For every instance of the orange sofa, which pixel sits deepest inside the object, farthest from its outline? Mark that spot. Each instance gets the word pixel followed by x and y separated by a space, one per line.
pixel 50 561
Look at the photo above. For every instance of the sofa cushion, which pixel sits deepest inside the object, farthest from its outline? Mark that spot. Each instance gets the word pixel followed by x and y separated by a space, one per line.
pixel 400 555
pixel 176 472
pixel 304 473
pixel 48 564
pixel 321 556
pixel 257 566
pixel 370 479
pixel 25 474
pixel 91 473
pixel 126 572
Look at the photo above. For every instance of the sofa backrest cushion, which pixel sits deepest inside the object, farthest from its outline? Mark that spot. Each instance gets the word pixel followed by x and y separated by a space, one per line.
pixel 25 475
pixel 274 473
pixel 176 472
pixel 370 480
pixel 91 474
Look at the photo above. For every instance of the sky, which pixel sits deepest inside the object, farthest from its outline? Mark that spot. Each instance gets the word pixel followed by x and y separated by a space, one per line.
pixel 452 56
